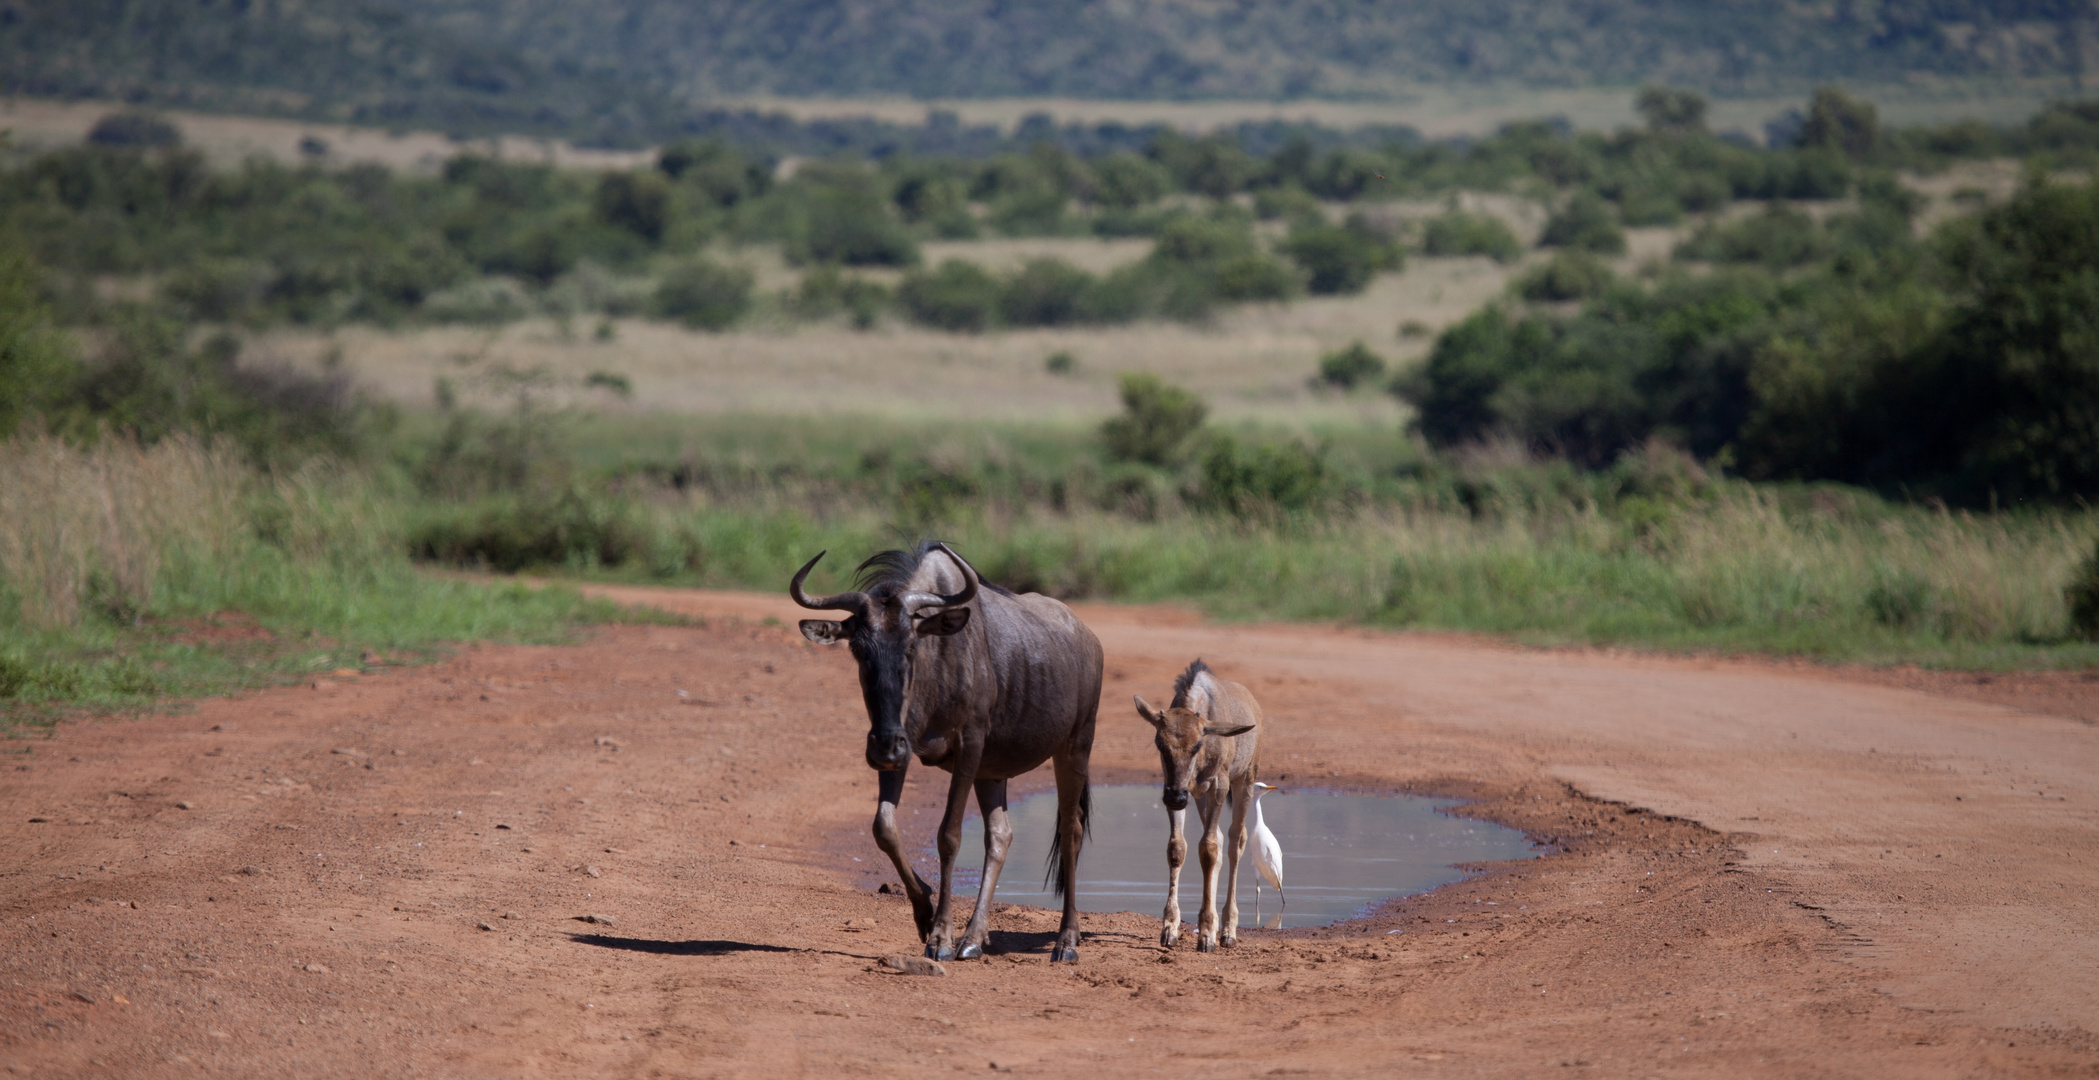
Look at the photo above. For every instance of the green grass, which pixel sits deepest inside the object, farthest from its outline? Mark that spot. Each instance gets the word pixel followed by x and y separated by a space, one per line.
pixel 207 578
pixel 1653 552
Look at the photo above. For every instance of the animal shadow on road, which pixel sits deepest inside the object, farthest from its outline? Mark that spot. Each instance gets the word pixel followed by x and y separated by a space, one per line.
pixel 678 948
pixel 1018 941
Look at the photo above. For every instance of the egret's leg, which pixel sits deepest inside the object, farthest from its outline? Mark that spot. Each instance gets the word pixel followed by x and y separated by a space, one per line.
pixel 891 841
pixel 1176 855
pixel 1234 852
pixel 940 944
pixel 1212 805
pixel 998 838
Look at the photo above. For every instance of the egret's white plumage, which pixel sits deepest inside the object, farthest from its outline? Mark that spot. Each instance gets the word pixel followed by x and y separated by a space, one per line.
pixel 1268 855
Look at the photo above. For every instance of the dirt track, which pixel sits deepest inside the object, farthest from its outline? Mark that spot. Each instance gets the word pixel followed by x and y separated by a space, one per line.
pixel 1765 871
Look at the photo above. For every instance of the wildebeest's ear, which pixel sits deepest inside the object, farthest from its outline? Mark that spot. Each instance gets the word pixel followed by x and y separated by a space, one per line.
pixel 823 631
pixel 1223 732
pixel 945 623
pixel 1146 711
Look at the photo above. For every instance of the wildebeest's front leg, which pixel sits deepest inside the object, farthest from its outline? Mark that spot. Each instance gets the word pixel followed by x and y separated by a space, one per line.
pixel 998 838
pixel 1176 854
pixel 940 944
pixel 892 844
pixel 1235 849
pixel 1211 803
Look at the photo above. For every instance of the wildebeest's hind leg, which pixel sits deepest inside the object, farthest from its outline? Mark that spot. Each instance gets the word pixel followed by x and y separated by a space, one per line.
pixel 1234 850
pixel 1176 855
pixel 1074 811
pixel 940 944
pixel 998 838
pixel 891 842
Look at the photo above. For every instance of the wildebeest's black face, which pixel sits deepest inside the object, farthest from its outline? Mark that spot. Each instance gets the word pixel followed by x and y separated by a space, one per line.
pixel 885 637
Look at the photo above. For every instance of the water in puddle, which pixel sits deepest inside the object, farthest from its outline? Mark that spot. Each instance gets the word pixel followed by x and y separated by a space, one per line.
pixel 1342 854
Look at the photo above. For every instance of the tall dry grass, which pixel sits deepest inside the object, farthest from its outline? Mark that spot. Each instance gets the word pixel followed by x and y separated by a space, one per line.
pixel 99 524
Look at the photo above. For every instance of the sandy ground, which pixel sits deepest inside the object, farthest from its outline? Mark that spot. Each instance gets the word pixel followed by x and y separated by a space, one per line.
pixel 1759 870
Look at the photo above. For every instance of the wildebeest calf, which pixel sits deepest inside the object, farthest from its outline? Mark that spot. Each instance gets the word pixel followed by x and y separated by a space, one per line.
pixel 1209 742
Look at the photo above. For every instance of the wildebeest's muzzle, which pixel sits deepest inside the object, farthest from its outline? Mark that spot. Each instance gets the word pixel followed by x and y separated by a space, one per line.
pixel 1175 798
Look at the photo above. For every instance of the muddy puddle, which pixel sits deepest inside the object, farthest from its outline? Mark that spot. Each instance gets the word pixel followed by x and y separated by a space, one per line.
pixel 1342 854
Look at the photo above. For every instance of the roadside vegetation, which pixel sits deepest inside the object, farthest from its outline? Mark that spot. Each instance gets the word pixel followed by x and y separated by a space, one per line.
pixel 1814 428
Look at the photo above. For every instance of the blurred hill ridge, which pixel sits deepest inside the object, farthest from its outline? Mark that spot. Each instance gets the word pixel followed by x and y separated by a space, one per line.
pixel 625 72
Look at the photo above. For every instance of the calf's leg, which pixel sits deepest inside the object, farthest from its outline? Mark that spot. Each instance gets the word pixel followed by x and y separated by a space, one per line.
pixel 1212 806
pixel 1235 849
pixel 1176 854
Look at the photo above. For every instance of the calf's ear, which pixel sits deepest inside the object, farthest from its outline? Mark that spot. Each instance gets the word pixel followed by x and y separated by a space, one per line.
pixel 823 631
pixel 1146 711
pixel 1225 732
pixel 945 623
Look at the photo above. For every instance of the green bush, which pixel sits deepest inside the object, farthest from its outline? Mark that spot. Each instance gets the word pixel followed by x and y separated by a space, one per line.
pixel 521 533
pixel 956 295
pixel 1351 367
pixel 142 130
pixel 847 224
pixel 638 202
pixel 1779 237
pixel 1569 275
pixel 1341 259
pixel 1584 222
pixel 2081 596
pixel 703 294
pixel 1455 232
pixel 480 302
pixel 1263 480
pixel 825 291
pixel 1045 292
pixel 1156 420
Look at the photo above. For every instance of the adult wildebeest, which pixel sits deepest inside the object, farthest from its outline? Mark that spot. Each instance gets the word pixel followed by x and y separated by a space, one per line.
pixel 1209 742
pixel 982 683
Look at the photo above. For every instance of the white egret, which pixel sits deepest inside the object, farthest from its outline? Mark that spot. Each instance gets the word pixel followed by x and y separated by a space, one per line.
pixel 1268 855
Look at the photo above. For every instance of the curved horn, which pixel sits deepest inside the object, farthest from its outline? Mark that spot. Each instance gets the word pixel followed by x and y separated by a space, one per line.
pixel 969 586
pixel 845 601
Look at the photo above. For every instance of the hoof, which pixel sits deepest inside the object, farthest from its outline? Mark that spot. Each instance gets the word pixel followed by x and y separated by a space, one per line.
pixel 936 952
pixel 1207 946
pixel 969 952
pixel 1167 938
pixel 1064 954
pixel 1228 942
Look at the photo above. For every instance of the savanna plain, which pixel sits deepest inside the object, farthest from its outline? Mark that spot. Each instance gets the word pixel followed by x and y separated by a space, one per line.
pixel 397 679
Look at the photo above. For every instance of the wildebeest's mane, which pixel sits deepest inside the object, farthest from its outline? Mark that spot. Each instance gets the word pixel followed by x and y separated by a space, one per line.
pixel 1184 681
pixel 890 570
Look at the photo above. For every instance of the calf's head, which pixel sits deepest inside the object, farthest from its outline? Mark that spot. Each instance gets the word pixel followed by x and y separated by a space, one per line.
pixel 884 627
pixel 1179 736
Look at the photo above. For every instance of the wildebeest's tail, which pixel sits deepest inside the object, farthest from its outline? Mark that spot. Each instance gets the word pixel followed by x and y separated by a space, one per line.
pixel 1055 869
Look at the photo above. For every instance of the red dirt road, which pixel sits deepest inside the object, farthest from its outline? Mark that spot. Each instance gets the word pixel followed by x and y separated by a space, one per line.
pixel 1764 871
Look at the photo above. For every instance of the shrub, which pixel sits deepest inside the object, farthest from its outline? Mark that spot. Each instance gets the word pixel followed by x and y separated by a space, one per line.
pixel 1341 259
pixel 1568 275
pixel 1045 292
pixel 480 302
pixel 850 225
pixel 1126 181
pixel 638 202
pixel 825 291
pixel 1455 232
pixel 1060 362
pixel 2081 596
pixel 1262 480
pixel 957 295
pixel 513 534
pixel 1156 419
pixel 1031 213
pixel 1585 222
pixel 143 130
pixel 1351 367
pixel 1779 237
pixel 703 294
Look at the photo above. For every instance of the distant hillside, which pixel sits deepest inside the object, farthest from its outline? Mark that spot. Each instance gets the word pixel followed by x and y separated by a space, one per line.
pixel 622 71
pixel 1278 48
